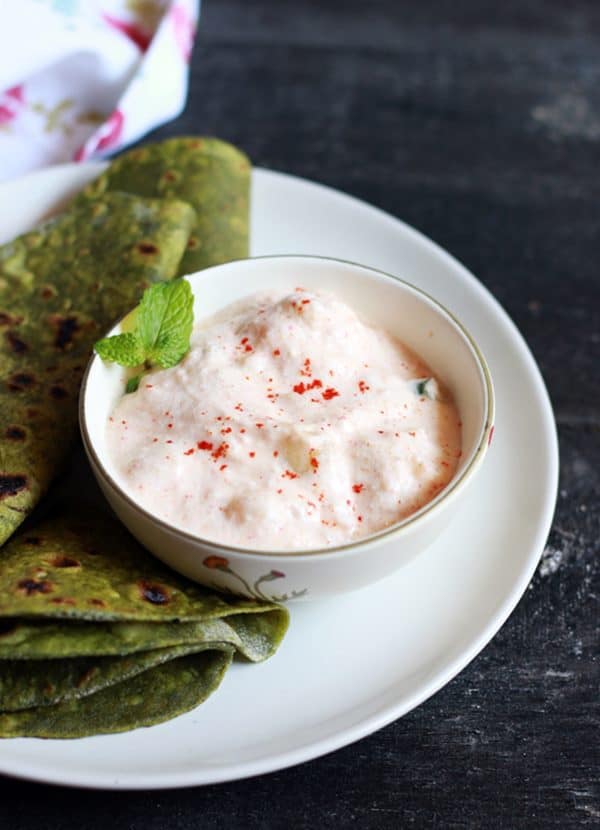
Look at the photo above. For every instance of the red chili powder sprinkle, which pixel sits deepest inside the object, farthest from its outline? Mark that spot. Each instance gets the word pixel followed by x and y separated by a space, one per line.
pixel 225 430
pixel 280 491
pixel 348 501
pixel 242 430
pixel 221 451
pixel 239 407
pixel 259 426
pixel 204 445
pixel 276 352
pixel 169 426
pixel 149 386
pixel 248 347
pixel 445 464
pixel 330 393
pixel 412 434
pixel 191 451
pixel 222 467
pixel 289 474
pixel 243 341
pixel 314 463
pixel 381 432
pixel 357 487
pixel 301 388
pixel 275 453
pixel 155 440
pixel 124 422
pixel 168 442
pixel 362 386
pixel 305 302
pixel 359 518
pixel 251 454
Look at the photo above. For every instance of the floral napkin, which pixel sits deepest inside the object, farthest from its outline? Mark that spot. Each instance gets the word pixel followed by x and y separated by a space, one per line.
pixel 82 78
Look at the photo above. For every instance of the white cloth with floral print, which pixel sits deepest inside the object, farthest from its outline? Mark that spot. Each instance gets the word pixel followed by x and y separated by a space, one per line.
pixel 80 79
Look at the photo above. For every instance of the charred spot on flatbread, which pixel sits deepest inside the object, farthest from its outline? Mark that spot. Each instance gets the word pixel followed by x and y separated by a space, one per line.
pixel 30 587
pixel 11 485
pixel 15 433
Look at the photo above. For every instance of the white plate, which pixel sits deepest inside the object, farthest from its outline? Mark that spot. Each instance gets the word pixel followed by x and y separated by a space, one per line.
pixel 352 665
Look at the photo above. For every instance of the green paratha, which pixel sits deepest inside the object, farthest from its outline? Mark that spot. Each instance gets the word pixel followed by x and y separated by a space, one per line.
pixel 211 175
pixel 61 287
pixel 83 568
pixel 149 698
pixel 27 685
pixel 252 634
pixel 86 612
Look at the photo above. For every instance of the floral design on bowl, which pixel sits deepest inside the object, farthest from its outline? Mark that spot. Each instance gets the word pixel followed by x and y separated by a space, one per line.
pixel 220 563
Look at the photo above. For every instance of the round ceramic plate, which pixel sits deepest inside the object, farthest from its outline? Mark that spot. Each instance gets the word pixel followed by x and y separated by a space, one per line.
pixel 350 665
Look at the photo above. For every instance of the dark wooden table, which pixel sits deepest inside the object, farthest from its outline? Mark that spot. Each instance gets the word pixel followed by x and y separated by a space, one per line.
pixel 479 123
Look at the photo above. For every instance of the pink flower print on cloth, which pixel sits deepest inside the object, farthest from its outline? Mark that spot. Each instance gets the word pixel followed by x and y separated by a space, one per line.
pixel 10 103
pixel 104 139
pixel 136 33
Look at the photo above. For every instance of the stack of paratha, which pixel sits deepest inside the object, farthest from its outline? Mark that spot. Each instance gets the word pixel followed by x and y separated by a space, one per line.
pixel 95 635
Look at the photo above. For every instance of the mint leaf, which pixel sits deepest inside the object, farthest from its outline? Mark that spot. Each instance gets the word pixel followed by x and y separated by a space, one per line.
pixel 125 349
pixel 165 320
pixel 172 350
pixel 161 327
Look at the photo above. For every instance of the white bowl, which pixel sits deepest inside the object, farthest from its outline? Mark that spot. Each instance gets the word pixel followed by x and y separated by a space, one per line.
pixel 386 301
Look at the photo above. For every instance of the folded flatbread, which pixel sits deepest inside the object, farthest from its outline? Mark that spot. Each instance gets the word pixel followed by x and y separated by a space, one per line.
pixel 61 287
pixel 149 698
pixel 211 175
pixel 87 613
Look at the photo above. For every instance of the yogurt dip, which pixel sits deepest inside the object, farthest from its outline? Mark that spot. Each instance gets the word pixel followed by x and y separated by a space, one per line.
pixel 290 424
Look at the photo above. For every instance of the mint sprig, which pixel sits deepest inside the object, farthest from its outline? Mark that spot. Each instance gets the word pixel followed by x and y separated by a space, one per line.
pixel 161 336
